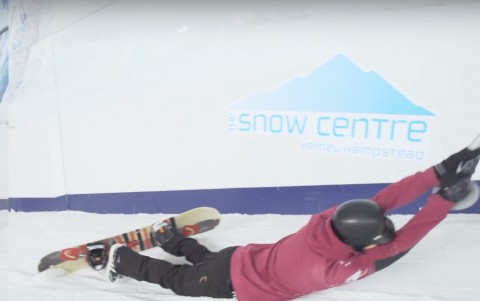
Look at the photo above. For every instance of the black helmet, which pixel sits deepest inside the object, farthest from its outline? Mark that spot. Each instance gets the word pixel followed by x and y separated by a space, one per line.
pixel 359 223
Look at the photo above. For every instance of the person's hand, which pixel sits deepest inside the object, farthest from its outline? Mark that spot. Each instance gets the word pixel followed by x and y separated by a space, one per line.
pixel 455 187
pixel 464 161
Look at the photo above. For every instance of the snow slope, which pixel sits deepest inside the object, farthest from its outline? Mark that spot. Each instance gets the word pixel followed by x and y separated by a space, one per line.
pixel 444 266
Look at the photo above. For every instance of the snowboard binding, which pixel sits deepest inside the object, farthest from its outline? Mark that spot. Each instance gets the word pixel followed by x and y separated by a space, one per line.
pixel 164 231
pixel 97 256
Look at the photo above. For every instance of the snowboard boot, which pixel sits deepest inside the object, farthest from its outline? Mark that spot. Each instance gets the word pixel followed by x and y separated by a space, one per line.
pixel 164 231
pixel 113 259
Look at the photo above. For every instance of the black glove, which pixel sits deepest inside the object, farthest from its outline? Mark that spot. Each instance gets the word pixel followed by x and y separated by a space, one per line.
pixel 464 161
pixel 454 186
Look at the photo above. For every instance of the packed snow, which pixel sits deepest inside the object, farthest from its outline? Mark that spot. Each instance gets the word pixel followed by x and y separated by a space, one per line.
pixel 444 266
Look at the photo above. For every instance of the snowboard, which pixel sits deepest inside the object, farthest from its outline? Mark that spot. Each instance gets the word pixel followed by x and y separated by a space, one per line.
pixel 194 221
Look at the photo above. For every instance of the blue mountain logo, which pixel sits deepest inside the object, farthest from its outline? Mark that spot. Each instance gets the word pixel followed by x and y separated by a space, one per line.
pixel 336 86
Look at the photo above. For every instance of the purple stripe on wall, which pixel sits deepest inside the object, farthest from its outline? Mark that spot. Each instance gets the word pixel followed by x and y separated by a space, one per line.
pixel 38 204
pixel 3 204
pixel 279 200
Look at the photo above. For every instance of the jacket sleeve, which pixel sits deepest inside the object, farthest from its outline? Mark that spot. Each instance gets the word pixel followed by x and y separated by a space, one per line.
pixel 406 190
pixel 407 237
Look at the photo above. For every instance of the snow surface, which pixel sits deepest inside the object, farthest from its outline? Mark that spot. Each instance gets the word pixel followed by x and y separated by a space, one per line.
pixel 444 266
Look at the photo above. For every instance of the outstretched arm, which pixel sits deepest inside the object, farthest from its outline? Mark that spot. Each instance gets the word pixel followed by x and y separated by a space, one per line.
pixel 454 188
pixel 410 188
pixel 435 210
pixel 406 190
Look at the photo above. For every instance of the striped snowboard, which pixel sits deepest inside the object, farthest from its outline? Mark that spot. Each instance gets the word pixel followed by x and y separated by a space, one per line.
pixel 188 223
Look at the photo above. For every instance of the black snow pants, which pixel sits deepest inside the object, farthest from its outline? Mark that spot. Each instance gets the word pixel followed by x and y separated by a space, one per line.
pixel 208 275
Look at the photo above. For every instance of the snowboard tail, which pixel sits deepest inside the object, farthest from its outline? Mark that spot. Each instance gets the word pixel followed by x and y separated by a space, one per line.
pixel 192 222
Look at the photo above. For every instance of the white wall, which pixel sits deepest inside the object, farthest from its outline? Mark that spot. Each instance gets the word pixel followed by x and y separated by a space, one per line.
pixel 3 152
pixel 3 115
pixel 121 96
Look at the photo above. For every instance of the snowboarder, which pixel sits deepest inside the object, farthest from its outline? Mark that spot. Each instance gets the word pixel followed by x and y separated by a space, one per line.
pixel 337 246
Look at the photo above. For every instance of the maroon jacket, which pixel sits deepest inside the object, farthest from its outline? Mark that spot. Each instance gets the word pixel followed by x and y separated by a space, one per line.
pixel 314 259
